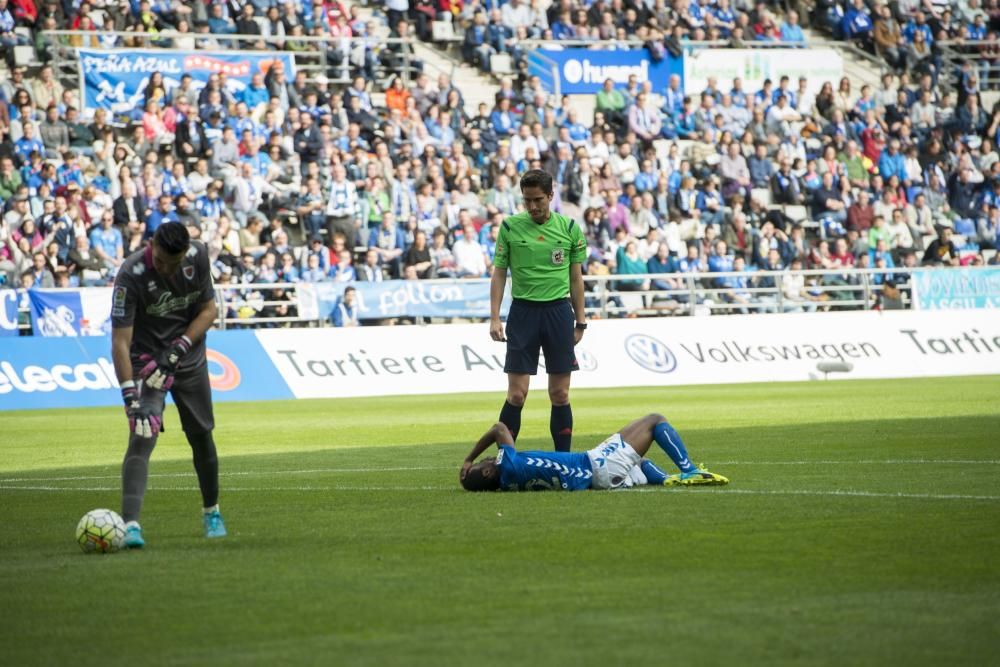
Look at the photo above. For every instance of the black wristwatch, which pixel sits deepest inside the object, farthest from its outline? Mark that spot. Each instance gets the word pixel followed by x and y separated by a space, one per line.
pixel 582 326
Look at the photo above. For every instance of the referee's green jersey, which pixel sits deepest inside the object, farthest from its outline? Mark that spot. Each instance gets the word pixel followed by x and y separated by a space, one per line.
pixel 539 256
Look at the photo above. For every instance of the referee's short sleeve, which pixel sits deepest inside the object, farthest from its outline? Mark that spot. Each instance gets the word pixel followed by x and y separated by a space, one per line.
pixel 501 259
pixel 578 249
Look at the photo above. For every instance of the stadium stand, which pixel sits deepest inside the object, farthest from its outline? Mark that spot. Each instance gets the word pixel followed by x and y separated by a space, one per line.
pixel 292 179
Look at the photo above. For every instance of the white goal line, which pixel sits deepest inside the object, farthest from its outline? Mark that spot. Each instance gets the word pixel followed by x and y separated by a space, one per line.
pixel 706 493
pixel 318 471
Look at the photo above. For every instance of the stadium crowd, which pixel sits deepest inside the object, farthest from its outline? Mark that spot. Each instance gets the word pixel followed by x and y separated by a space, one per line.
pixel 289 179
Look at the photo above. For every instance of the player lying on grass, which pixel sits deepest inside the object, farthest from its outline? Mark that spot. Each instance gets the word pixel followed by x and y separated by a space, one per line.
pixel 615 463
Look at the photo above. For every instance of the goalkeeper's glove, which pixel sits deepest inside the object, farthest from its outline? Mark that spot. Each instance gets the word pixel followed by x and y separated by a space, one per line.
pixel 141 419
pixel 158 372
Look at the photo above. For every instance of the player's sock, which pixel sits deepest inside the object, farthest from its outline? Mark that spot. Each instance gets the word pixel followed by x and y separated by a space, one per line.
pixel 669 440
pixel 653 474
pixel 206 464
pixel 510 416
pixel 135 471
pixel 561 427
pixel 209 510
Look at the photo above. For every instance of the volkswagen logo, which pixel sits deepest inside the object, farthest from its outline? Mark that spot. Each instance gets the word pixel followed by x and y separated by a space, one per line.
pixel 650 353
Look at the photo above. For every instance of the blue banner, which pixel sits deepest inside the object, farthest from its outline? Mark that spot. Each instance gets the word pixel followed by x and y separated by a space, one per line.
pixel 78 312
pixel 73 373
pixel 403 298
pixel 582 71
pixel 946 289
pixel 8 312
pixel 115 79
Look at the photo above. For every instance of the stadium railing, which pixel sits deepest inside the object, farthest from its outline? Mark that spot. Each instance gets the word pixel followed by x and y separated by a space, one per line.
pixel 984 57
pixel 617 295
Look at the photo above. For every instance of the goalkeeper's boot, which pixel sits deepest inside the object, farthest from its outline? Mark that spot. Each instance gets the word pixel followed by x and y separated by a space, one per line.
pixel 133 536
pixel 699 477
pixel 214 525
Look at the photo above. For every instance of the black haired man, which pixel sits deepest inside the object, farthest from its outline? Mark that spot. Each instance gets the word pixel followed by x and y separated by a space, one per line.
pixel 162 305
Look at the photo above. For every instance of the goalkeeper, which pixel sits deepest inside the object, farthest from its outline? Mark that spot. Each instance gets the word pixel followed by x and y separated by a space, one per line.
pixel 615 463
pixel 162 304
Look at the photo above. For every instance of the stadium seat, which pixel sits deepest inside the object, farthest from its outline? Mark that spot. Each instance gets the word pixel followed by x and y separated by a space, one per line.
pixel 763 195
pixel 24 56
pixel 796 213
pixel 501 63
pixel 444 31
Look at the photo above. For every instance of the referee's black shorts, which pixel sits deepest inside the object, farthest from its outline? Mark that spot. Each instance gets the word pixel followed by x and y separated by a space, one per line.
pixel 545 326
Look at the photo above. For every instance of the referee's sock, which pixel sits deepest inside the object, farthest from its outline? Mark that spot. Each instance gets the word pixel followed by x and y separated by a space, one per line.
pixel 561 427
pixel 670 441
pixel 510 416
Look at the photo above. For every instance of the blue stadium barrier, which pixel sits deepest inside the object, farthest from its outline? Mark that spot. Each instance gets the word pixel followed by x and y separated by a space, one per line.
pixel 76 372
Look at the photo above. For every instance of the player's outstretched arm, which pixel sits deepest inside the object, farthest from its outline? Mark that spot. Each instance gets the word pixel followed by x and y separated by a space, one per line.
pixel 498 433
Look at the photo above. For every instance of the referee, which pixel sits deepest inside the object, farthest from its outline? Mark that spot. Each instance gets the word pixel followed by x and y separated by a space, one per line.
pixel 545 252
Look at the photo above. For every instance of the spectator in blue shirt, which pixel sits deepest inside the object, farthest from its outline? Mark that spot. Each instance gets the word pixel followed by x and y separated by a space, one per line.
pixel 503 121
pixel 647 178
pixel 720 261
pixel 761 167
pixel 857 24
pixel 164 212
pixel 791 31
pixel 256 93
pixel 737 94
pixel 106 242
pixel 725 19
pixel 891 162
pixel 345 312
pixel 389 243
pixel 918 24
pixel 977 29
pixel 28 144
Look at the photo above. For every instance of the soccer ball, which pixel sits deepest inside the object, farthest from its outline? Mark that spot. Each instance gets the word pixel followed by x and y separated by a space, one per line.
pixel 100 531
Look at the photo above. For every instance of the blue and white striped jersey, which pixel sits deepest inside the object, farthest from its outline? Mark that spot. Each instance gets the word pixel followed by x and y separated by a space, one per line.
pixel 541 471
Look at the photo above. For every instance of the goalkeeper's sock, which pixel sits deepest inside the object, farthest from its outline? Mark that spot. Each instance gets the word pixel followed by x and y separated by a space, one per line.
pixel 654 475
pixel 561 427
pixel 135 471
pixel 510 416
pixel 206 464
pixel 669 440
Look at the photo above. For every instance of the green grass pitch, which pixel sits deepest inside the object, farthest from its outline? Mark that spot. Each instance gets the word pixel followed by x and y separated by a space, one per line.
pixel 861 527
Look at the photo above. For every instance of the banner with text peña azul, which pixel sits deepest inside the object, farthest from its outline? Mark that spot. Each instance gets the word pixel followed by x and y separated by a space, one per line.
pixel 400 298
pixel 583 71
pixel 377 361
pixel 116 79
pixel 957 288
pixel 78 372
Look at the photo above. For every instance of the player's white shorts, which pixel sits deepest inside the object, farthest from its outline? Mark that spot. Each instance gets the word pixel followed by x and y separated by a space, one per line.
pixel 614 463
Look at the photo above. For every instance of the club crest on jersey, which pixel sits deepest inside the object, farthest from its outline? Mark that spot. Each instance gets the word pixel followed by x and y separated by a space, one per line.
pixel 188 272
pixel 151 286
pixel 558 256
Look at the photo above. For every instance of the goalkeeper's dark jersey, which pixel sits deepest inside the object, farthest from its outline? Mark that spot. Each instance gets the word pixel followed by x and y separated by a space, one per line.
pixel 160 308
